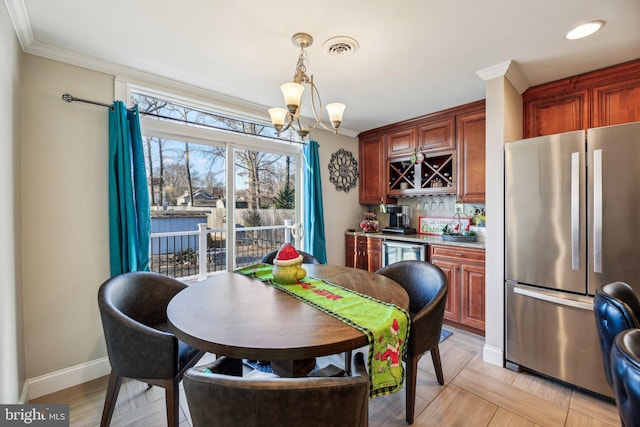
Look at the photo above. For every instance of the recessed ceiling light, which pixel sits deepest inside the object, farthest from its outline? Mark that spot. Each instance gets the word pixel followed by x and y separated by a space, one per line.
pixel 584 30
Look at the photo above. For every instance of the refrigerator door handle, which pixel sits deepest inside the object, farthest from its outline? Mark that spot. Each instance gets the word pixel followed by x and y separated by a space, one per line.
pixel 597 211
pixel 575 211
pixel 553 299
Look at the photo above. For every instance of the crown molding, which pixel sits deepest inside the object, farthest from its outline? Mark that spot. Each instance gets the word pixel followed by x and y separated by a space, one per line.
pixel 221 103
pixel 507 69
pixel 21 24
pixel 225 103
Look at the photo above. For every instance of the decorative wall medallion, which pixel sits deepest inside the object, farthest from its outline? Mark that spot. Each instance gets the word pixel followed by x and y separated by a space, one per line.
pixel 343 170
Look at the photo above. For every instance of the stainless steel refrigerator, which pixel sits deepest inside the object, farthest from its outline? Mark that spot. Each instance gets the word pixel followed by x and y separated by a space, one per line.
pixel 572 202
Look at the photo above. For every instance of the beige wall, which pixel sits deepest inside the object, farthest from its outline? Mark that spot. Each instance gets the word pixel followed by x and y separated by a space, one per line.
pixel 12 372
pixel 341 209
pixel 64 213
pixel 504 123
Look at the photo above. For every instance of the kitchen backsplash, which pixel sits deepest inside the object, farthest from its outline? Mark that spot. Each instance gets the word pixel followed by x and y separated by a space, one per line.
pixel 434 206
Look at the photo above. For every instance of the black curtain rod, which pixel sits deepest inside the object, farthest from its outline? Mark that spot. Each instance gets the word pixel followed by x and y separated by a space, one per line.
pixel 70 98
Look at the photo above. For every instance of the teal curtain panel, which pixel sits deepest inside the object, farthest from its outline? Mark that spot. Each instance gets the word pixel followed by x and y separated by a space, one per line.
pixel 129 212
pixel 314 238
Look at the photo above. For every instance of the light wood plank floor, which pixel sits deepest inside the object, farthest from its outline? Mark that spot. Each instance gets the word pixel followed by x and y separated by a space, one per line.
pixel 474 394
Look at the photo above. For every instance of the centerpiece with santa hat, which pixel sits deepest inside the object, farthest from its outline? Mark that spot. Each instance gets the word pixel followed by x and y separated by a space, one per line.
pixel 287 266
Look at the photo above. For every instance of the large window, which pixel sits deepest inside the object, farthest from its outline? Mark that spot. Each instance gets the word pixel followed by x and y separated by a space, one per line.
pixel 203 169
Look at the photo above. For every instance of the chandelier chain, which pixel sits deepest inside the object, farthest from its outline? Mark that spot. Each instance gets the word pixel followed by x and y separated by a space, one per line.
pixel 284 118
pixel 301 68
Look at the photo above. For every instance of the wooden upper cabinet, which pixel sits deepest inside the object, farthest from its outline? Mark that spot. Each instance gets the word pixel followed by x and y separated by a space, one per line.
pixel 402 141
pixel 616 103
pixel 470 134
pixel 547 116
pixel 437 135
pixel 605 97
pixel 390 166
pixel 373 186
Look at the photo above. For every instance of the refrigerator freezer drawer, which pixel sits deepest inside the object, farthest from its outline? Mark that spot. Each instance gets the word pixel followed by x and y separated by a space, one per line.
pixel 555 334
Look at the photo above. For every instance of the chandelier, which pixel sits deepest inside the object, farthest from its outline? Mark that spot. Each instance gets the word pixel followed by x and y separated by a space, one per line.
pixel 283 119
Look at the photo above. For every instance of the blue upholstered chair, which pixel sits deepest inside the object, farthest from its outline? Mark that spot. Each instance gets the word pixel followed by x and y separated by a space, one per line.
pixel 617 309
pixel 625 372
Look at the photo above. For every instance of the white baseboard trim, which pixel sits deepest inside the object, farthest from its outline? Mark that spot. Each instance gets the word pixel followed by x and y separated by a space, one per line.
pixel 64 378
pixel 493 355
pixel 24 396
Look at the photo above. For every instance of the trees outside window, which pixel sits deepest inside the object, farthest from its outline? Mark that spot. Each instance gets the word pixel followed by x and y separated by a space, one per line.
pixel 204 165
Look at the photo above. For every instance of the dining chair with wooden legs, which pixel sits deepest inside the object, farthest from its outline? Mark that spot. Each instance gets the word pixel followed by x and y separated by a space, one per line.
pixel 427 287
pixel 133 308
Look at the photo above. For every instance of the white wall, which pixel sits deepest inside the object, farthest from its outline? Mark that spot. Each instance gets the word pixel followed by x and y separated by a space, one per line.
pixel 341 209
pixel 12 372
pixel 64 213
pixel 504 123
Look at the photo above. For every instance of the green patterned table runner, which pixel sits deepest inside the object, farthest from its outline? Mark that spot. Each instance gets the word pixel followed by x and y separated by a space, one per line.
pixel 385 325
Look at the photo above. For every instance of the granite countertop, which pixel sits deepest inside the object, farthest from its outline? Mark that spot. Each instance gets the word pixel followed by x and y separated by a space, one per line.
pixel 418 238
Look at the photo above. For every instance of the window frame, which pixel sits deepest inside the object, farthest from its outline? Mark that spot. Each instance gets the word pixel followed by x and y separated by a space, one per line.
pixel 229 140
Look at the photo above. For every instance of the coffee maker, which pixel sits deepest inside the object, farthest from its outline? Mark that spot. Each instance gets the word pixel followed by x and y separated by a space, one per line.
pixel 398 220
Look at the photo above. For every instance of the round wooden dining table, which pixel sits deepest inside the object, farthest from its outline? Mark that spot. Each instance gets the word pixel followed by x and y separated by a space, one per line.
pixel 244 318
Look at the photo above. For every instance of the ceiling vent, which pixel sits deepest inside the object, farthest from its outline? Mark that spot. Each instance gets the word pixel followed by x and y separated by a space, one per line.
pixel 340 46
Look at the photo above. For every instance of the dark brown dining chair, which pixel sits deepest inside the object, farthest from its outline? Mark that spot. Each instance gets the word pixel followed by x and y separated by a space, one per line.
pixel 218 400
pixel 427 287
pixel 306 257
pixel 133 308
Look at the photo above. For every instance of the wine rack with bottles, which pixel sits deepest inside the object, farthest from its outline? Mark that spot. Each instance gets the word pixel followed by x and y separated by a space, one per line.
pixel 402 174
pixel 418 175
pixel 437 173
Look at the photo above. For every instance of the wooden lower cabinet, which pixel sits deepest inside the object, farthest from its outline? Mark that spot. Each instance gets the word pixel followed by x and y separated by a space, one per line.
pixel 374 254
pixel 350 250
pixel 363 252
pixel 464 268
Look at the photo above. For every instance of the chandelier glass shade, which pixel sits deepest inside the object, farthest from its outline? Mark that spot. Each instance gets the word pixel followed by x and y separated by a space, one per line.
pixel 285 118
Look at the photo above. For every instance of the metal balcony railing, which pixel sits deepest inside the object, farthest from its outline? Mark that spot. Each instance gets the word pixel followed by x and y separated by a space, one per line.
pixel 196 254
